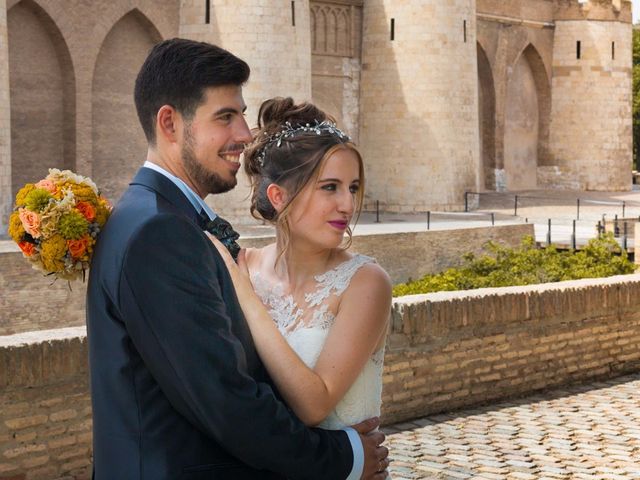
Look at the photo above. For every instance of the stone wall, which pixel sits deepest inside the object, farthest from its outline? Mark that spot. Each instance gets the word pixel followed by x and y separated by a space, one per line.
pixel 30 301
pixel 444 351
pixel 599 82
pixel 71 66
pixel 410 255
pixel 419 154
pixel 336 37
pixel 452 349
pixel 514 37
pixel 45 409
pixel 6 202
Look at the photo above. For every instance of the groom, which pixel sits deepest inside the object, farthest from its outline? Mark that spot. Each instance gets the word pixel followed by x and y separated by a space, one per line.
pixel 178 390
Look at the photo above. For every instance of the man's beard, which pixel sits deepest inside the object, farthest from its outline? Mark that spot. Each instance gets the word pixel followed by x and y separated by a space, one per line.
pixel 210 181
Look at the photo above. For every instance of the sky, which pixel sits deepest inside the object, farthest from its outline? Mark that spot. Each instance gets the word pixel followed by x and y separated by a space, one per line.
pixel 636 10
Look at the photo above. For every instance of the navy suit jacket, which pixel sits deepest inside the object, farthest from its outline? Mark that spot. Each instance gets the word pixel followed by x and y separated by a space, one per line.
pixel 178 390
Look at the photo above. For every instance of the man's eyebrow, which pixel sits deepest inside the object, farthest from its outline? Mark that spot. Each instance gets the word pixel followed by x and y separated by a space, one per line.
pixel 229 110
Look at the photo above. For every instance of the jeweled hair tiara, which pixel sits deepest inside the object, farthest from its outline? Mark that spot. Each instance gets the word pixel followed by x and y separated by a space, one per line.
pixel 290 131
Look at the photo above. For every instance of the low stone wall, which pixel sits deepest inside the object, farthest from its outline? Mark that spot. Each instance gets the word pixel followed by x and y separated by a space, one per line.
pixel 448 350
pixel 410 255
pixel 45 409
pixel 30 301
pixel 444 351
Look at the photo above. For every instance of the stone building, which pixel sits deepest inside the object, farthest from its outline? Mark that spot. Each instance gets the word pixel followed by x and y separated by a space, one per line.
pixel 442 97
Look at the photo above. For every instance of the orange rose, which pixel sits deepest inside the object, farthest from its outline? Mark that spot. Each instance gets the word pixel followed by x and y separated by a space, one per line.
pixel 47 185
pixel 27 248
pixel 87 210
pixel 30 222
pixel 77 248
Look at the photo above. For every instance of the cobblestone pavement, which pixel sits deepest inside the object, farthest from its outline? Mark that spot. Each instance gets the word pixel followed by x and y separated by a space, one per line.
pixel 583 432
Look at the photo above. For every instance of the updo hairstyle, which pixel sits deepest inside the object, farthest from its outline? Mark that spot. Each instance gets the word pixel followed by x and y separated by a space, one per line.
pixel 297 161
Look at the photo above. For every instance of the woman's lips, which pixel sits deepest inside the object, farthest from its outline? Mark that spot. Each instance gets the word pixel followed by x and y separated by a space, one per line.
pixel 340 225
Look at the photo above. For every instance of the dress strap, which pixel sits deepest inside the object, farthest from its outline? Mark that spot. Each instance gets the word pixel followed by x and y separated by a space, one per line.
pixel 337 280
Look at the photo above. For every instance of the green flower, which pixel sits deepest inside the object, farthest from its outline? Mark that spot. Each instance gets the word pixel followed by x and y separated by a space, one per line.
pixel 73 226
pixel 37 199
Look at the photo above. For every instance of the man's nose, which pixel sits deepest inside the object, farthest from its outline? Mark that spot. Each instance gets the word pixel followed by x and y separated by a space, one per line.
pixel 242 134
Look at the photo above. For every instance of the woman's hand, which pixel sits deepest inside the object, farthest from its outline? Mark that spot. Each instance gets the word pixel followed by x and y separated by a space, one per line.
pixel 239 271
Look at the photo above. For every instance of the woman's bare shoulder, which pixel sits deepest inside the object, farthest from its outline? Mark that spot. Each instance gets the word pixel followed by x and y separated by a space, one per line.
pixel 255 257
pixel 372 275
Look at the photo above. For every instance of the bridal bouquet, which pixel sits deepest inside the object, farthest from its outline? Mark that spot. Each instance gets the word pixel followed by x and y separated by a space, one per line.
pixel 56 222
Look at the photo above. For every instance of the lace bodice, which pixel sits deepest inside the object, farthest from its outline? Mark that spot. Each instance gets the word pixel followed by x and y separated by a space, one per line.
pixel 306 327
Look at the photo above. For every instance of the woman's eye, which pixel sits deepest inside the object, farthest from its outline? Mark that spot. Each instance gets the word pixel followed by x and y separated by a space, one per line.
pixel 329 187
pixel 354 188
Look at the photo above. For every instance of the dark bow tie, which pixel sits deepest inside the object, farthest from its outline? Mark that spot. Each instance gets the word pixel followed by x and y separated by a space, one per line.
pixel 223 231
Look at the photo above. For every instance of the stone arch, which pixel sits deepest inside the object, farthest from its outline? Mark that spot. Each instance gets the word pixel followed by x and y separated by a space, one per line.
pixel 543 86
pixel 527 113
pixel 487 119
pixel 321 29
pixel 118 143
pixel 331 29
pixel 343 33
pixel 42 95
pixel 332 34
pixel 314 31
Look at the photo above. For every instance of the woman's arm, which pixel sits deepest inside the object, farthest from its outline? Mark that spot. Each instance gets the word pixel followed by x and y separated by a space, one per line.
pixel 358 330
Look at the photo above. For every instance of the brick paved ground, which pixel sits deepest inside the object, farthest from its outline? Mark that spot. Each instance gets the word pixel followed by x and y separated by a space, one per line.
pixel 583 432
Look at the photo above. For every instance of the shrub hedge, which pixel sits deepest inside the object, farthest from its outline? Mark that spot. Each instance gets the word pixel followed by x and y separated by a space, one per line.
pixel 527 264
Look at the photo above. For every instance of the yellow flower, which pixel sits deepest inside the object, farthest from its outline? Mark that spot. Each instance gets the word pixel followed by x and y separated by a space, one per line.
pixel 103 211
pixel 52 252
pixel 16 229
pixel 22 194
pixel 81 192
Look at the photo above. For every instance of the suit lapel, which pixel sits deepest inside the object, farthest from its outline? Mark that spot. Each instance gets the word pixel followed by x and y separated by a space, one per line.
pixel 167 189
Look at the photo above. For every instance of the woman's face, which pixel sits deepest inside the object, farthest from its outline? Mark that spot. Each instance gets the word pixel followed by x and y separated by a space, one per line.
pixel 322 211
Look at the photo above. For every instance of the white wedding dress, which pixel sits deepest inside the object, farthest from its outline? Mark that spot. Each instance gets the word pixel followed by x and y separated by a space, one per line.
pixel 306 327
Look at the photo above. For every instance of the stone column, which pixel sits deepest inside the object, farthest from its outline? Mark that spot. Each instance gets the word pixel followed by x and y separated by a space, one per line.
pixel 6 200
pixel 419 103
pixel 274 39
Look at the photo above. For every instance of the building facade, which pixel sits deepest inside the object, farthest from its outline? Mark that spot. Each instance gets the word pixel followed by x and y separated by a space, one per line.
pixel 441 97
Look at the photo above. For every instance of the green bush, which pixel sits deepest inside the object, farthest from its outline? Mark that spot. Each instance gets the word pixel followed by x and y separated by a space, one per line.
pixel 525 265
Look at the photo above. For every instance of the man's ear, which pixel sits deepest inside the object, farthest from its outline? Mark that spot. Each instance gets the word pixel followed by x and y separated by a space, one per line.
pixel 168 123
pixel 277 196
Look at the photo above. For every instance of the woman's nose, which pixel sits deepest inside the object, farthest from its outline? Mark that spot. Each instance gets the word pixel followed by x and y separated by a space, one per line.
pixel 347 202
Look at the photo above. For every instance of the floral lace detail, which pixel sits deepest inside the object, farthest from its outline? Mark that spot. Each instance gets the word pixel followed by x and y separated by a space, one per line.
pixel 336 281
pixel 282 308
pixel 286 312
pixel 322 318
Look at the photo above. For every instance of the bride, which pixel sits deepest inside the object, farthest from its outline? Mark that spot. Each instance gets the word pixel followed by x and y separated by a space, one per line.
pixel 317 313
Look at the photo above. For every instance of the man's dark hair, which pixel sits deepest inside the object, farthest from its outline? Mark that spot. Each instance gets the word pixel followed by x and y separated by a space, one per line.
pixel 177 72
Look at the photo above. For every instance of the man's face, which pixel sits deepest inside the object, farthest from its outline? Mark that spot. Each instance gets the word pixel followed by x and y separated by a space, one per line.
pixel 214 139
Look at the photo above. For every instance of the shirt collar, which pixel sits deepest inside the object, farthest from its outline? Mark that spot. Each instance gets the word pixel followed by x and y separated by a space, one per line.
pixel 198 203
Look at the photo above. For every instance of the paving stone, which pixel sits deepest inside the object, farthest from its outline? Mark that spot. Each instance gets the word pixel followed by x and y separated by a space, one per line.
pixel 587 432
